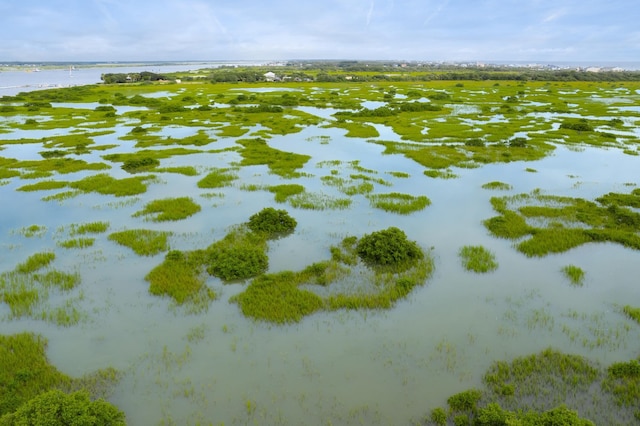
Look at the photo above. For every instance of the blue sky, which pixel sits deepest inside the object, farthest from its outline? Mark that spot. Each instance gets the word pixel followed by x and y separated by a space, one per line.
pixel 457 30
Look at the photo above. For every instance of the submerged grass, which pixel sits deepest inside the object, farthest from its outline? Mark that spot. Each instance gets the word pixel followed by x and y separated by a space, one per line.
pixel 77 243
pixel 399 203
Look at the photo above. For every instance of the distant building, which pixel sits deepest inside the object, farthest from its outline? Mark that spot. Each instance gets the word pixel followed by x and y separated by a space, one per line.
pixel 270 76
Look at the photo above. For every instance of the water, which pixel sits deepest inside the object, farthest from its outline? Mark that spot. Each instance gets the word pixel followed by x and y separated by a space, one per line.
pixel 370 367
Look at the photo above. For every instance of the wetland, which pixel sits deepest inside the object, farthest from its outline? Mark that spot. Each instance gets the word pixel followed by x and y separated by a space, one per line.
pixel 334 251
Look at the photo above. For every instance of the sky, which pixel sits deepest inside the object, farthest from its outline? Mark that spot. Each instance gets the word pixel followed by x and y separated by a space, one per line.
pixel 411 30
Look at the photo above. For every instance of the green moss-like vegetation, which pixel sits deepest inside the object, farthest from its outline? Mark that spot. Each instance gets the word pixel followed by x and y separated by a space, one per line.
pixel 77 243
pixel 26 376
pixel 631 312
pixel 575 275
pixel 105 184
pixel 35 262
pixel 556 224
pixel 284 191
pixel 258 152
pixel 89 228
pixel 238 256
pixel 169 209
pixel 217 178
pixel 144 242
pixel 497 185
pixel 399 203
pixel 140 165
pixel 46 185
pixel 477 259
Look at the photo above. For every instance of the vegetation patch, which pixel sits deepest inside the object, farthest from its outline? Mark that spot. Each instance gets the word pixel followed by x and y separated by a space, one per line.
pixel 77 243
pixel 107 185
pixel 477 259
pixel 631 312
pixel 27 290
pixel 497 185
pixel 272 222
pixel 556 224
pixel 32 388
pixel 169 209
pixel 399 203
pixel 388 248
pixel 318 201
pixel 143 242
pixel 238 256
pixel 258 152
pixel 284 191
pixel 574 274
pixel 138 165
pixel 89 228
pixel 217 178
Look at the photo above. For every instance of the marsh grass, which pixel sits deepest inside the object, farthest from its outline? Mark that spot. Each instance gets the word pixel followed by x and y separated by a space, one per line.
pixel 89 228
pixel 497 185
pixel 563 222
pixel 258 152
pixel 477 259
pixel 574 274
pixel 399 203
pixel 217 178
pixel 46 185
pixel 32 231
pixel 76 243
pixel 143 242
pixel 183 170
pixel 169 209
pixel 631 312
pixel 105 184
pixel 284 191
pixel 27 289
pixel 441 174
pixel 318 201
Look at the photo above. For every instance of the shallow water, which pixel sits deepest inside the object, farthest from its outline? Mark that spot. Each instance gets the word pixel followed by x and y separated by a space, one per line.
pixel 368 367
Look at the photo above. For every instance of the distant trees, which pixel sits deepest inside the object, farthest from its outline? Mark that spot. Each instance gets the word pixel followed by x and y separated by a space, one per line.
pixel 112 78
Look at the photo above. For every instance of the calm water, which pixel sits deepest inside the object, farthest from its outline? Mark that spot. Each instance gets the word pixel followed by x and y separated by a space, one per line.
pixel 343 367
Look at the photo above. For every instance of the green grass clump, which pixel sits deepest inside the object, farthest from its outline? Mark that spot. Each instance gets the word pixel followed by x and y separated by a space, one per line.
pixel 497 185
pixel 180 276
pixel 183 170
pixel 399 203
pixel 137 165
pixel 258 152
pixel 575 275
pixel 169 209
pixel 89 228
pixel 105 184
pixel 277 298
pixel 272 222
pixel 143 242
pixel 318 201
pixel 284 191
pixel 77 243
pixel 45 185
pixel 562 223
pixel 25 371
pixel 631 312
pixel 32 231
pixel 623 381
pixel 26 375
pixel 477 259
pixel 388 248
pixel 217 178
pixel 35 262
pixel 241 254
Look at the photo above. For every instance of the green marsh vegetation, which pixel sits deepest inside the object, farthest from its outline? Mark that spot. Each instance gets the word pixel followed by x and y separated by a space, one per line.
pixel 258 152
pixel 549 387
pixel 556 224
pixel 30 382
pixel 399 203
pixel 28 288
pixel 574 274
pixel 477 259
pixel 497 185
pixel 169 209
pixel 217 178
pixel 144 242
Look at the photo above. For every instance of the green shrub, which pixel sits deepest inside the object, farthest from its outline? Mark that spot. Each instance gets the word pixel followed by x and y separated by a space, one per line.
pixel 389 247
pixel 272 222
pixel 140 164
pixel 238 262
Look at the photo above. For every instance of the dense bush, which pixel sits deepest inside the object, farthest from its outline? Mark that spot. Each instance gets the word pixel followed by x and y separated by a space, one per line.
pixel 140 164
pixel 272 222
pixel 56 408
pixel 389 247
pixel 238 262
